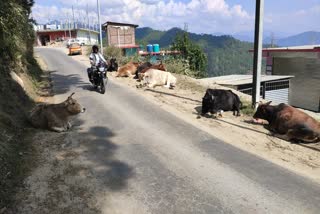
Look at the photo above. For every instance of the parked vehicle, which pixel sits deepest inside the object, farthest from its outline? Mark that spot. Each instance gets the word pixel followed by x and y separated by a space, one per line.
pixel 99 77
pixel 75 48
pixel 71 41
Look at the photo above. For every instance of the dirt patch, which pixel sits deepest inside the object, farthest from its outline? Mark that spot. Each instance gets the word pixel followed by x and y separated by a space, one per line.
pixel 59 184
pixel 185 102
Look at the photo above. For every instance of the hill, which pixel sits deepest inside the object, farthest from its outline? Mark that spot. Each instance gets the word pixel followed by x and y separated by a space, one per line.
pixel 226 55
pixel 306 38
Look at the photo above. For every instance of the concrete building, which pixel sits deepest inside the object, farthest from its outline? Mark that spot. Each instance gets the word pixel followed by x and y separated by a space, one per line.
pixel 302 62
pixel 48 33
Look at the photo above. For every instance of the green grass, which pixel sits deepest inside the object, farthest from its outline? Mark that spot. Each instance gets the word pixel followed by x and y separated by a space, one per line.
pixel 247 108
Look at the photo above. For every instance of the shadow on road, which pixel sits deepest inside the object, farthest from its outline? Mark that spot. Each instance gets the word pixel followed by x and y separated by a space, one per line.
pixel 63 83
pixel 100 152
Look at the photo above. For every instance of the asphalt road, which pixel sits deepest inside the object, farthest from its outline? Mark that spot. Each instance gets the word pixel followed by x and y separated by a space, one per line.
pixel 147 160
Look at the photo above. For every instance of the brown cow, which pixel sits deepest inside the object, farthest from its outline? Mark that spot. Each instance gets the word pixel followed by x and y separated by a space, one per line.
pixel 55 117
pixel 289 123
pixel 128 69
pixel 160 67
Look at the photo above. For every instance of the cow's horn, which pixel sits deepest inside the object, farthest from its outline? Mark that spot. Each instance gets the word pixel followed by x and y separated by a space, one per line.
pixel 71 95
pixel 268 103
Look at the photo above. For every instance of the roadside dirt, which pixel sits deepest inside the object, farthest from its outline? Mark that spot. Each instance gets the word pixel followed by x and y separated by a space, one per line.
pixel 185 102
pixel 58 182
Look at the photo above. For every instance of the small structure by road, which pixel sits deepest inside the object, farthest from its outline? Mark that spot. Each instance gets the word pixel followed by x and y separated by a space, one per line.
pixel 302 62
pixel 273 88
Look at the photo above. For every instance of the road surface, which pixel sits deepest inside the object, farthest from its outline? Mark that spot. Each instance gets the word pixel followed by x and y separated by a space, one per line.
pixel 147 160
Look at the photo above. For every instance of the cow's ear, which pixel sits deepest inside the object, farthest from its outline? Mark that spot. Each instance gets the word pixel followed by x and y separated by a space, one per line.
pixel 268 103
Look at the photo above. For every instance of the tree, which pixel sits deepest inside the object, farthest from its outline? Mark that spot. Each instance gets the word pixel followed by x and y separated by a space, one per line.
pixel 14 16
pixel 191 52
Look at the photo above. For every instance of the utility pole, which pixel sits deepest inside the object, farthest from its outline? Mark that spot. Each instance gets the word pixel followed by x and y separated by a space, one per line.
pixel 74 24
pixel 88 25
pixel 257 57
pixel 69 26
pixel 272 38
pixel 98 5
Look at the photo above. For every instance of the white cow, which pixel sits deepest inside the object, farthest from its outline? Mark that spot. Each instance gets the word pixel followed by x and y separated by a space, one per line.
pixel 154 77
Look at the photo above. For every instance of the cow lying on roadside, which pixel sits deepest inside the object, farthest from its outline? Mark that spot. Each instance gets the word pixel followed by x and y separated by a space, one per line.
pixel 113 65
pixel 160 67
pixel 289 123
pixel 140 72
pixel 154 77
pixel 219 100
pixel 142 67
pixel 128 69
pixel 55 117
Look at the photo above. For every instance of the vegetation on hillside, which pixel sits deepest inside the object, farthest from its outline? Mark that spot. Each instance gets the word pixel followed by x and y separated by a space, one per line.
pixel 192 54
pixel 16 31
pixel 225 54
pixel 16 55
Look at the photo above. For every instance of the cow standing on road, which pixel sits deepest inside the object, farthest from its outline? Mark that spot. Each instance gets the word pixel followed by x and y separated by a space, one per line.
pixel 289 123
pixel 218 100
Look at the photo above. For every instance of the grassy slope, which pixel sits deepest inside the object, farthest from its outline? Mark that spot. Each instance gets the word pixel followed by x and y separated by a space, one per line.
pixel 16 152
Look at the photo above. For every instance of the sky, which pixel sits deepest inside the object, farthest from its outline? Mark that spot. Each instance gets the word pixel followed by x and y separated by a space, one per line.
pixel 281 17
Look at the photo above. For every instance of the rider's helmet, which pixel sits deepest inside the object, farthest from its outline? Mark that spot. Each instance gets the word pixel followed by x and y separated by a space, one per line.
pixel 95 49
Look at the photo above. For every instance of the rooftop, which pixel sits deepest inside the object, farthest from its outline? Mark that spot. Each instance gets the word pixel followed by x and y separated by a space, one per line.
pixel 119 24
pixel 241 79
pixel 57 30
pixel 303 48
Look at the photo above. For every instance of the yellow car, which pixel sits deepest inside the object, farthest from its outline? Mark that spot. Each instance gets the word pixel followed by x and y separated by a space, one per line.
pixel 75 48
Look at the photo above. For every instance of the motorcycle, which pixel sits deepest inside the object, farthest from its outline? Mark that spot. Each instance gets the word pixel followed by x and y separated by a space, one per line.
pixel 99 77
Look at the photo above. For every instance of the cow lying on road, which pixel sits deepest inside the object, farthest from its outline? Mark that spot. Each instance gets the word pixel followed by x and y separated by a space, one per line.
pixel 218 100
pixel 154 77
pixel 289 123
pixel 128 69
pixel 55 117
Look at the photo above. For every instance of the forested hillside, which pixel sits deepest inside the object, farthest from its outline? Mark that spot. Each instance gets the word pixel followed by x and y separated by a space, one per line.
pixel 225 54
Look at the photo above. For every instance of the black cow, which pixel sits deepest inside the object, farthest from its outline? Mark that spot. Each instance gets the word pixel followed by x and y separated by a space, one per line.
pixel 216 100
pixel 113 65
pixel 142 67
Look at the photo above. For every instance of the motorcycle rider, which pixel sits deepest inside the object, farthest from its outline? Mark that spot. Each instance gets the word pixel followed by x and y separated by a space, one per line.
pixel 95 59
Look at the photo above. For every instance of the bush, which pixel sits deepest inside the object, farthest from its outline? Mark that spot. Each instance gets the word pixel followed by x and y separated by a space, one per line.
pixel 112 51
pixel 192 53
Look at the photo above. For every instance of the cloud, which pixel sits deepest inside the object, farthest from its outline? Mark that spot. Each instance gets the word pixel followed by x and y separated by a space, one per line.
pixel 202 16
pixel 149 1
